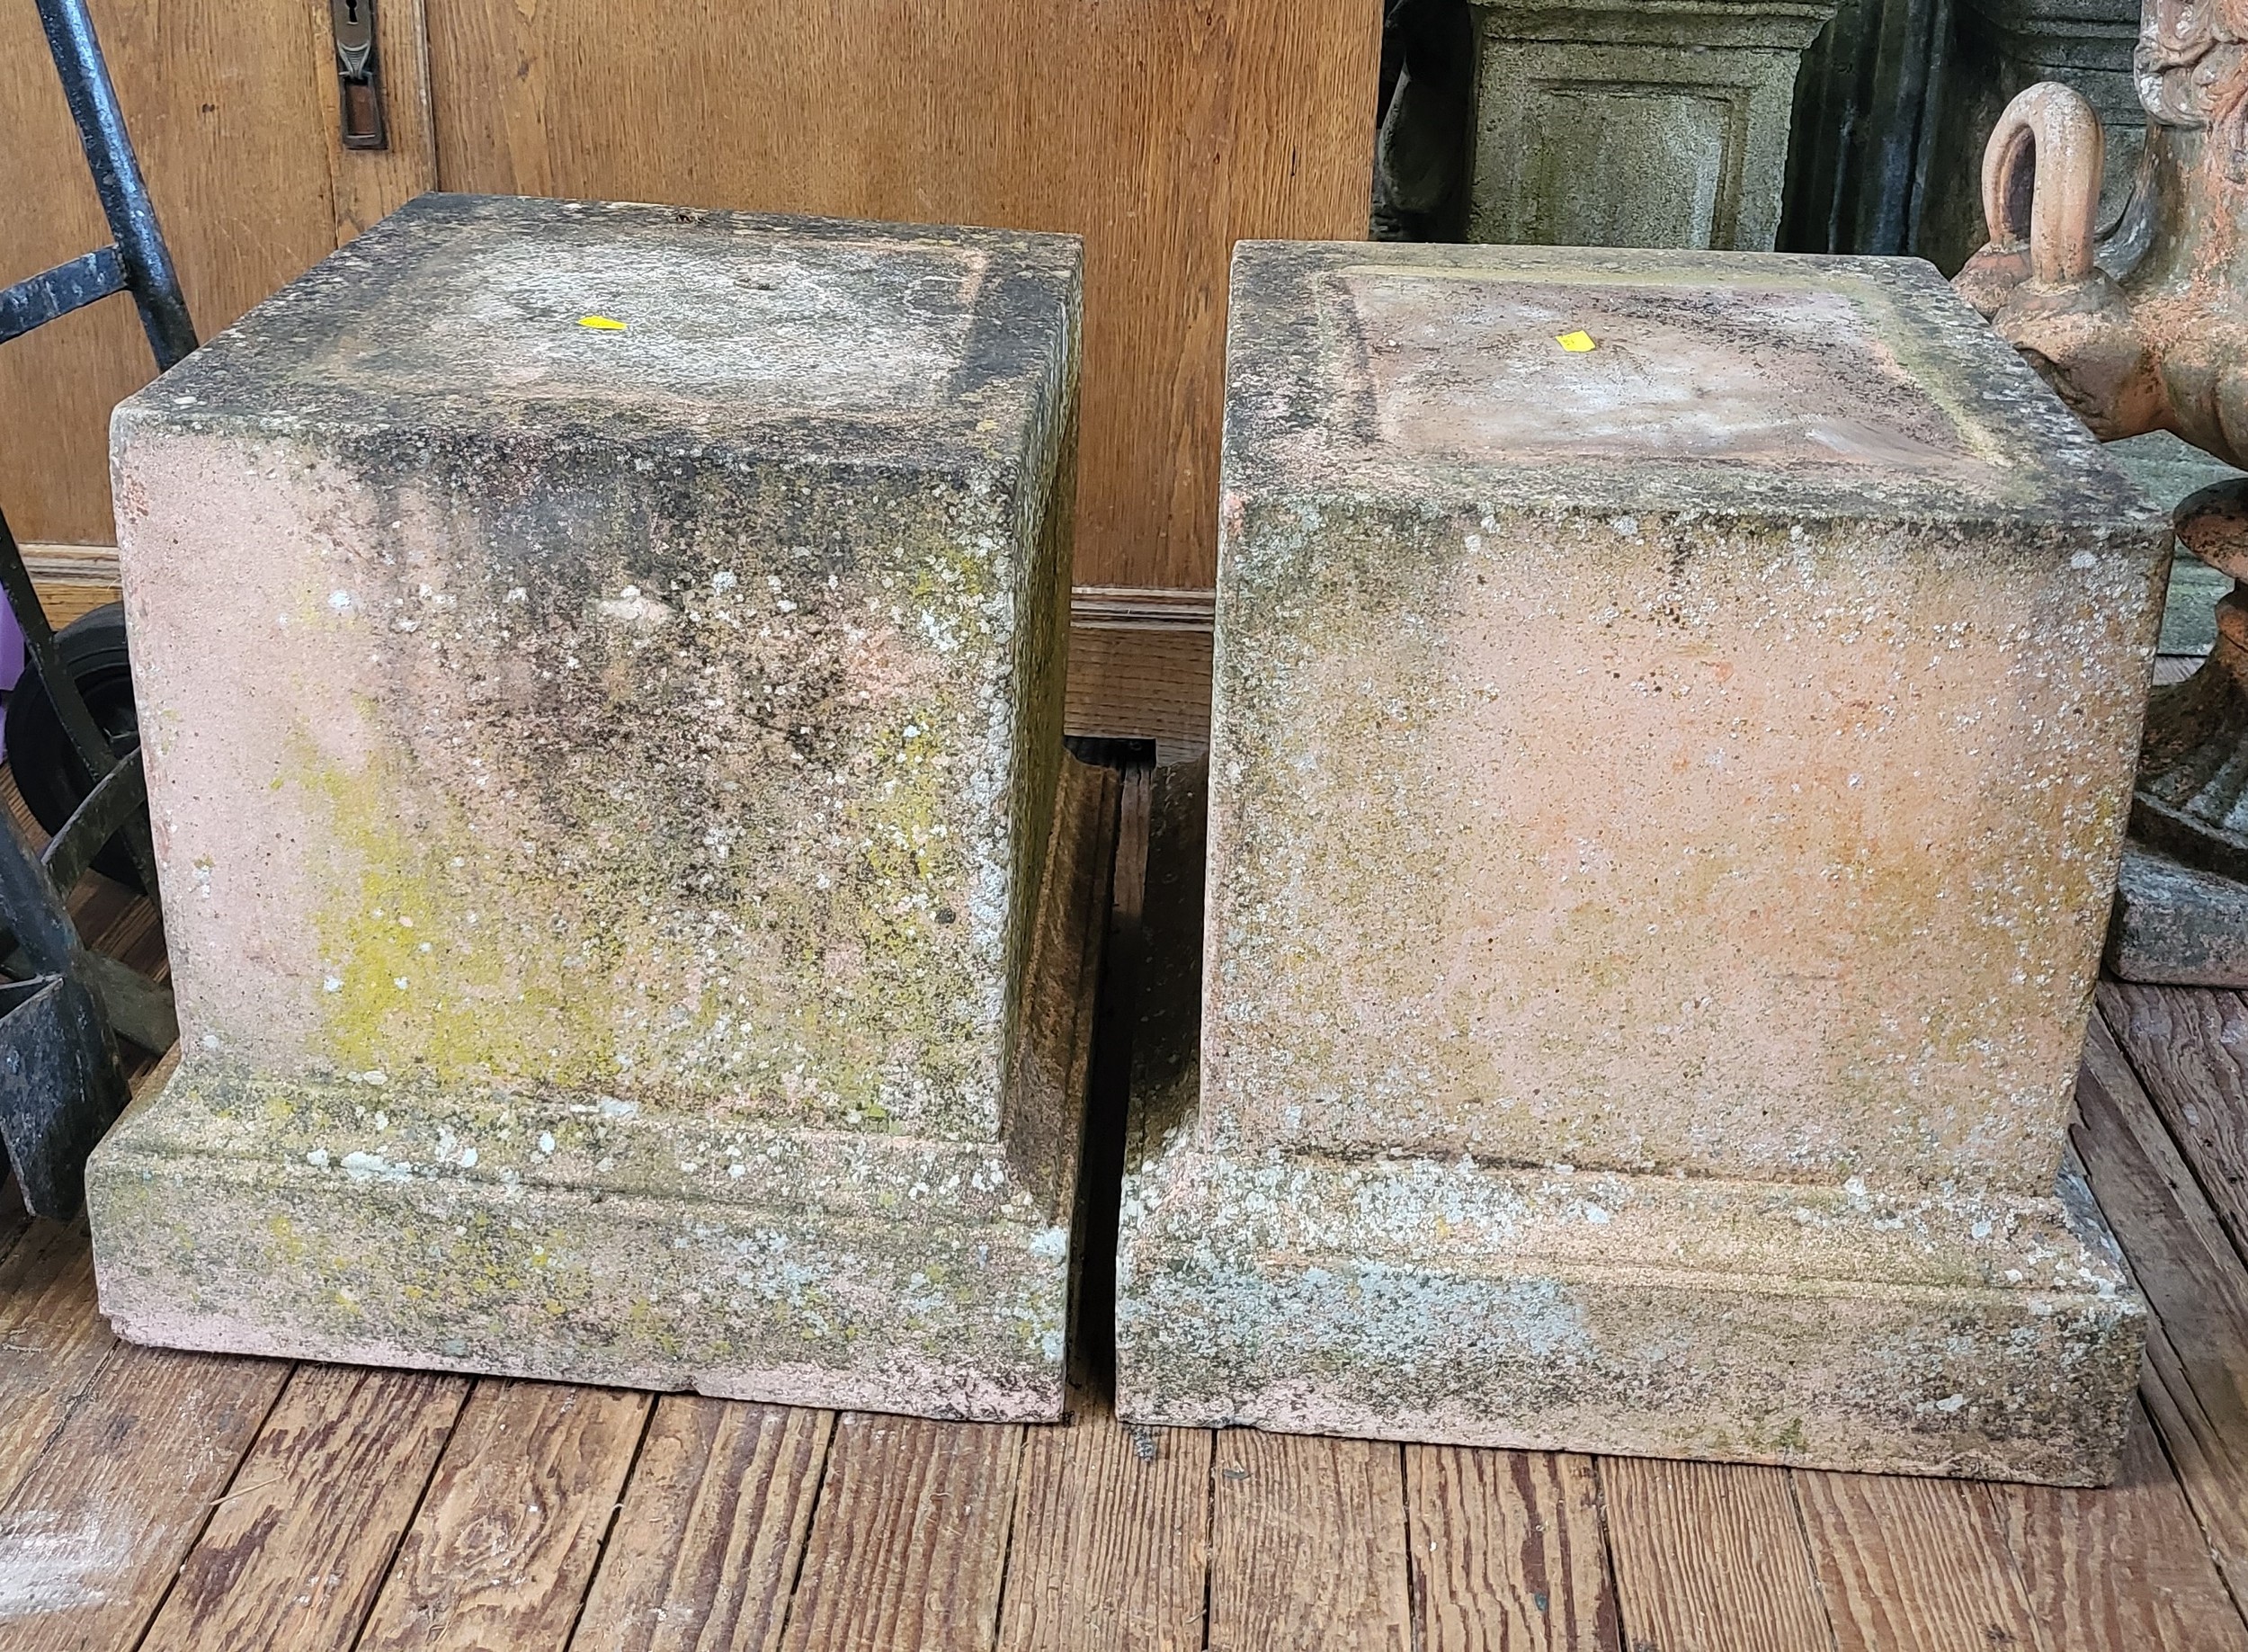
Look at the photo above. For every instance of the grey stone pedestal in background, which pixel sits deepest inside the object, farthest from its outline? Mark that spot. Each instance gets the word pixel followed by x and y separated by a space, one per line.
pixel 1613 124
pixel 2176 925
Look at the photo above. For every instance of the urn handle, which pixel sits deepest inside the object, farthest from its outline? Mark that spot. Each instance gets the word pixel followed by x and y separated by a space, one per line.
pixel 2041 182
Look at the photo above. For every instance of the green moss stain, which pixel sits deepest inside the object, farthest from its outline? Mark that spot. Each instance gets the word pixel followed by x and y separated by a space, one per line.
pixel 724 859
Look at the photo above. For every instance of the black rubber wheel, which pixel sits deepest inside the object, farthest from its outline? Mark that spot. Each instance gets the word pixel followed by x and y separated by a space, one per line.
pixel 46 770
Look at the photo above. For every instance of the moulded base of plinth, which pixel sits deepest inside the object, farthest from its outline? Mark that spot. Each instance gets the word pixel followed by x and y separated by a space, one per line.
pixel 1826 1327
pixel 584 1239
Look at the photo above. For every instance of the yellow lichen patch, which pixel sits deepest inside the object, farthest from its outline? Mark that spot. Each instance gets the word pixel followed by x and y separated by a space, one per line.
pixel 287 1242
pixel 424 975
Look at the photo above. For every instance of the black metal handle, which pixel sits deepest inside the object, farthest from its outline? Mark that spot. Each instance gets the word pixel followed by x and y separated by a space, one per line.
pixel 124 193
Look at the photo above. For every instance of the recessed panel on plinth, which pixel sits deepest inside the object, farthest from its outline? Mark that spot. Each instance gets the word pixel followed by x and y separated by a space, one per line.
pixel 1601 124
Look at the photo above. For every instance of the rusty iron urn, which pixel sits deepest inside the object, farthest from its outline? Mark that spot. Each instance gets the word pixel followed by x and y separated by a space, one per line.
pixel 2192 798
pixel 2145 329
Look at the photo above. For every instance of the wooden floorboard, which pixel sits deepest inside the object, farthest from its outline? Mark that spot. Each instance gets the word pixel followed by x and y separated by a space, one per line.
pixel 1111 1546
pixel 908 1545
pixel 1507 1550
pixel 1309 1545
pixel 2123 1569
pixel 710 1536
pixel 51 1342
pixel 2196 1383
pixel 1913 1563
pixel 1711 1558
pixel 296 1548
pixel 503 1545
pixel 2189 1047
pixel 95 1530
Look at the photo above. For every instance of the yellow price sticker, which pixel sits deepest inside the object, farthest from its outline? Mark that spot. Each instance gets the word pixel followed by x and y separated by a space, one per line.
pixel 602 324
pixel 1576 344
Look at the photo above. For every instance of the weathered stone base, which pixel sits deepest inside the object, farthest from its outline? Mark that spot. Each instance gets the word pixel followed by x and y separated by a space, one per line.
pixel 2176 924
pixel 584 1239
pixel 1642 1316
pixel 1405 1298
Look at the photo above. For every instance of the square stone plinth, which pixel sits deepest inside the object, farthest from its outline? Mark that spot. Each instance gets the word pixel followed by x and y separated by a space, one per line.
pixel 1599 124
pixel 1664 800
pixel 601 670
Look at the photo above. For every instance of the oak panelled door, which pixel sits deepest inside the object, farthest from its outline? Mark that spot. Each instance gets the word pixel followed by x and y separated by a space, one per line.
pixel 1161 130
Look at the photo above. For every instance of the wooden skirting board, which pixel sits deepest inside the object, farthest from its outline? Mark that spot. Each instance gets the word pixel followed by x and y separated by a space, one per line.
pixel 1139 665
pixel 71 579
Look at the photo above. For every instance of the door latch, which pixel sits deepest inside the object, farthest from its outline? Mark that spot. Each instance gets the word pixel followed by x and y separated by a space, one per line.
pixel 358 74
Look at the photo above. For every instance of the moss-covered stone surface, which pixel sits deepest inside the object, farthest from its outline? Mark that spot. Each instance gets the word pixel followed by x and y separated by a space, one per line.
pixel 1463 1299
pixel 553 1231
pixel 1707 750
pixel 1672 725
pixel 650 727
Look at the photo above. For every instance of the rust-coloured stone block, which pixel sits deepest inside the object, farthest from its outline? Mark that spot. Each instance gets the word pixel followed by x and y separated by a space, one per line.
pixel 1673 725
pixel 601 673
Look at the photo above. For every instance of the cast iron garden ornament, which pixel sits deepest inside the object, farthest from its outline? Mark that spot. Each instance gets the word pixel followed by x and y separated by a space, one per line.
pixel 2143 329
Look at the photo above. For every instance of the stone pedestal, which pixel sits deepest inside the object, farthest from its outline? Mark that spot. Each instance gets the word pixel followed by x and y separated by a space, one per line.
pixel 631 911
pixel 1664 799
pixel 1603 123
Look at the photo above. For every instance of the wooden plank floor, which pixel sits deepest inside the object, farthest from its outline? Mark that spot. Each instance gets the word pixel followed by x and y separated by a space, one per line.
pixel 161 1500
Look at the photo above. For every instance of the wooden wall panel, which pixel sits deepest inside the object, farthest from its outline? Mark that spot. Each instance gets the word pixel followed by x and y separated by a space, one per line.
pixel 1159 129
pixel 232 107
